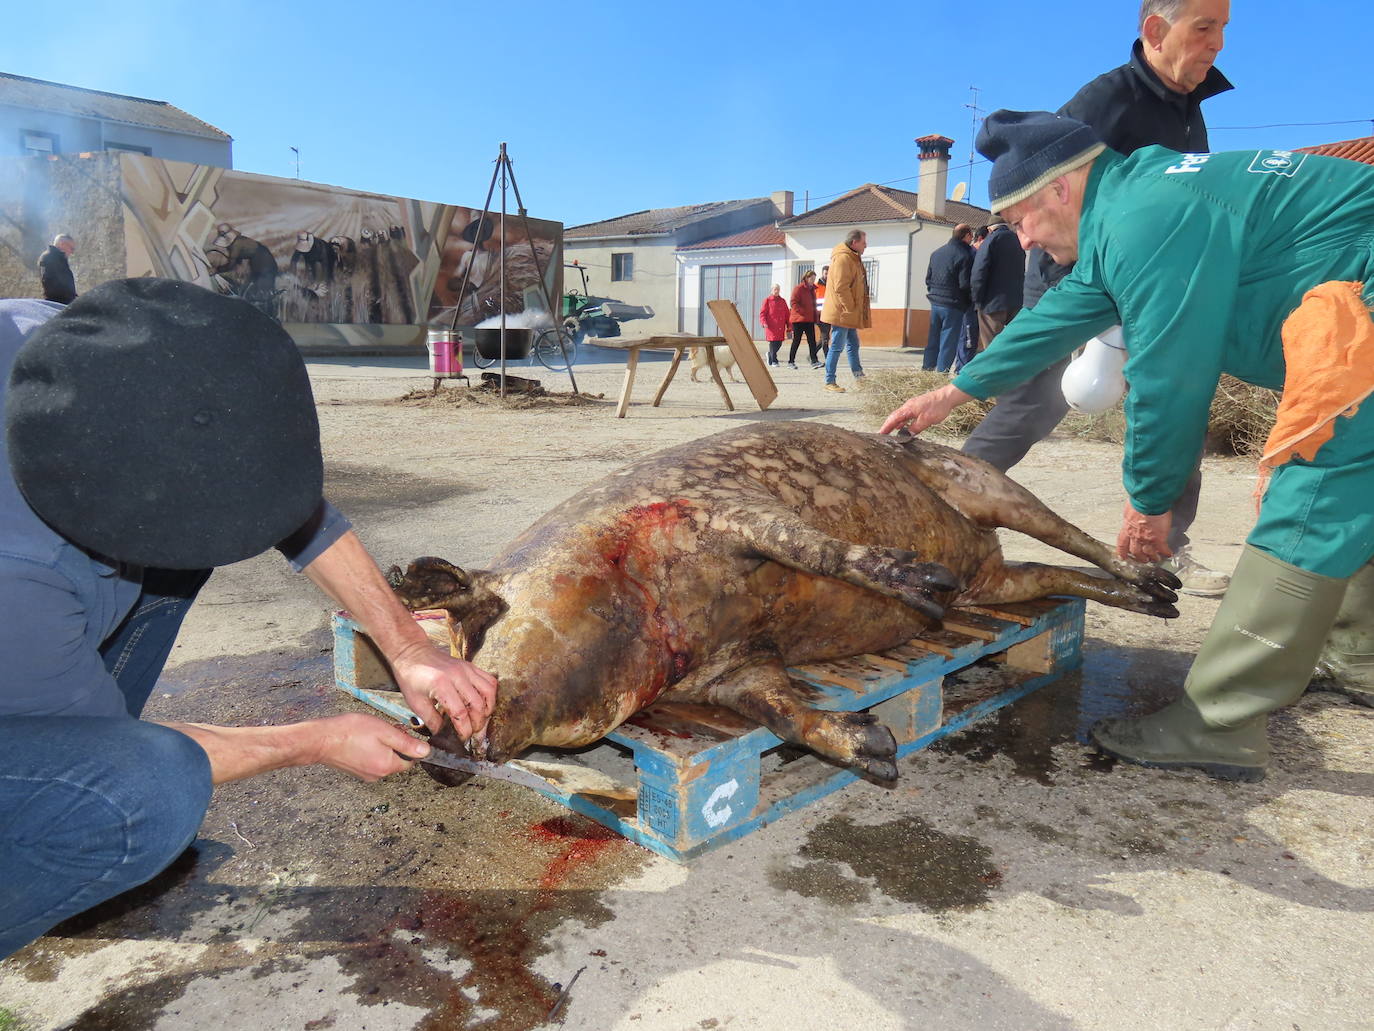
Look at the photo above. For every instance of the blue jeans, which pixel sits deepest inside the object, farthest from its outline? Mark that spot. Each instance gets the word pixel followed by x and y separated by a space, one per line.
pixel 91 807
pixel 942 341
pixel 842 338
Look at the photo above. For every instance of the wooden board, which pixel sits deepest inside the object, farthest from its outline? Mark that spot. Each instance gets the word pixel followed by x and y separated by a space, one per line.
pixel 700 776
pixel 747 358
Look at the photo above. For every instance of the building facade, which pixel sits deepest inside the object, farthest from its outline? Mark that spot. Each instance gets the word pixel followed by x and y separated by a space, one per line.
pixel 41 118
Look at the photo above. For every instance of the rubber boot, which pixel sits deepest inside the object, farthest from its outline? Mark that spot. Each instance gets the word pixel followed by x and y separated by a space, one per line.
pixel 1346 664
pixel 1257 657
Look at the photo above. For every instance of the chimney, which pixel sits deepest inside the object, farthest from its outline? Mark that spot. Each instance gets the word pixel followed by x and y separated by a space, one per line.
pixel 934 179
pixel 782 202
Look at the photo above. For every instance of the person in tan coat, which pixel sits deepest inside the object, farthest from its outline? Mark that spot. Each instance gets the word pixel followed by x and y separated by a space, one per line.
pixel 846 306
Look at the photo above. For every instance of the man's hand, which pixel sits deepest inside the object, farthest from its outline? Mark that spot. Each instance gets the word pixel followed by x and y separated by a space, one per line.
pixel 1143 537
pixel 925 410
pixel 356 743
pixel 435 685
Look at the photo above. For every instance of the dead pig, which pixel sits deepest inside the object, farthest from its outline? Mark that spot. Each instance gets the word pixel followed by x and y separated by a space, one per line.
pixel 705 570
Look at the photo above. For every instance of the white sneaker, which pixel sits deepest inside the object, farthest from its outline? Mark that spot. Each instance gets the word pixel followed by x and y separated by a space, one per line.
pixel 1197 579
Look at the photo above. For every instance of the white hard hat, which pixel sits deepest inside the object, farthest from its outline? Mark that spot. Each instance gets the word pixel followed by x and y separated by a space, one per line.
pixel 1093 382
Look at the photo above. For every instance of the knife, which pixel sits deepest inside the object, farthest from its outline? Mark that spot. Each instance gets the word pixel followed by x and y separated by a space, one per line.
pixel 482 768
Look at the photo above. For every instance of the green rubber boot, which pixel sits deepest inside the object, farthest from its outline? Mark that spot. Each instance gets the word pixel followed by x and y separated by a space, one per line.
pixel 1257 657
pixel 1346 664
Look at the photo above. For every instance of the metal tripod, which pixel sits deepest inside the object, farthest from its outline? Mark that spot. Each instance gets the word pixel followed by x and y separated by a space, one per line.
pixel 505 173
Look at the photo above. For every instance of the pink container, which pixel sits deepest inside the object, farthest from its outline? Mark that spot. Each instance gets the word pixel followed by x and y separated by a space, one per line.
pixel 445 357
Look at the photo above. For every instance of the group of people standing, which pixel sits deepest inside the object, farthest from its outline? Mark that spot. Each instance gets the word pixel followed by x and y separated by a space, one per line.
pixel 837 303
pixel 973 284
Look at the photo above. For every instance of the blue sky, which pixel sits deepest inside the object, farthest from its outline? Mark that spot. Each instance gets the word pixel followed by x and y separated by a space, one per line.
pixel 613 107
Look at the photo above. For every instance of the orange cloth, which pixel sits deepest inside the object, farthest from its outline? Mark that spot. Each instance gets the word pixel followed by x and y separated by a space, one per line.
pixel 1328 347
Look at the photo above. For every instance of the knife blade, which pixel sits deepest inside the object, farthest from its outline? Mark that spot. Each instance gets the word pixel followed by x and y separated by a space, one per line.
pixel 483 768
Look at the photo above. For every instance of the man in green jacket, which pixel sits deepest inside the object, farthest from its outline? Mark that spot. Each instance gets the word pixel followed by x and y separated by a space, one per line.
pixel 1259 264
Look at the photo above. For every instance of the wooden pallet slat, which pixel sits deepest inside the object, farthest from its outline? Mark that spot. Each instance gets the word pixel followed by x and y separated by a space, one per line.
pixel 699 770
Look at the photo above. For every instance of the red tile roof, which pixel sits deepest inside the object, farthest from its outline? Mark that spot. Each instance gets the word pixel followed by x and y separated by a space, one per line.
pixel 874 203
pixel 763 236
pixel 1361 149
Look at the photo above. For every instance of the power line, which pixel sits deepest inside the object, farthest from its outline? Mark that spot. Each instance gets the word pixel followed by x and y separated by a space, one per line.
pixel 1289 125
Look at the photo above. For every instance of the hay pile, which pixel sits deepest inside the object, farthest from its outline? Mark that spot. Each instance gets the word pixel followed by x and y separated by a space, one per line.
pixel 491 400
pixel 1240 420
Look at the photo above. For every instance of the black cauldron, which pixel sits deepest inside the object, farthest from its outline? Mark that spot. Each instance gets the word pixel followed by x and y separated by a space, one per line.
pixel 488 343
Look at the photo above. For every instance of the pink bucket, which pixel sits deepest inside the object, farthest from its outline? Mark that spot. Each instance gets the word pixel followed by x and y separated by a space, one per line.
pixel 445 357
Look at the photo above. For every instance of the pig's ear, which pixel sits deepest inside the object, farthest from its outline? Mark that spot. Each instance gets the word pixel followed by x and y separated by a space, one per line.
pixel 479 609
pixel 430 583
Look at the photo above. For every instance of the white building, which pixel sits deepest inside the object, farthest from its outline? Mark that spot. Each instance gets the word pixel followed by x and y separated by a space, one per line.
pixel 38 117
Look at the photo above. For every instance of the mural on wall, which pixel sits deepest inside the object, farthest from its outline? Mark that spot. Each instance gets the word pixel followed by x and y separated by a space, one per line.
pixel 305 252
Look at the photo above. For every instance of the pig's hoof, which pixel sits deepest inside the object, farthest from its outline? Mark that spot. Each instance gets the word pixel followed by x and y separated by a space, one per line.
pixel 448 778
pixel 879 769
pixel 1158 583
pixel 448 740
pixel 857 739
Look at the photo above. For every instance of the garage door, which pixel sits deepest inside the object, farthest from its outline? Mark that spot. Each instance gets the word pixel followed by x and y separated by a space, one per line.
pixel 746 285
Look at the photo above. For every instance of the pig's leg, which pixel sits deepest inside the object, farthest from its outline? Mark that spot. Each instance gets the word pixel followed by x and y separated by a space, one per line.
pixel 763 692
pixel 991 499
pixel 1022 581
pixel 773 532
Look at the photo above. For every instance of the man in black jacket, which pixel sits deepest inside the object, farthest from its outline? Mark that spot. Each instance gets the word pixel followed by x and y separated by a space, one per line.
pixel 1154 98
pixel 54 273
pixel 947 289
pixel 999 272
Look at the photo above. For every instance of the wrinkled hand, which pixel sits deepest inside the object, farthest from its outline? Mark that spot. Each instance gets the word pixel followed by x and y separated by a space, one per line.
pixel 925 410
pixel 436 685
pixel 1143 537
pixel 364 746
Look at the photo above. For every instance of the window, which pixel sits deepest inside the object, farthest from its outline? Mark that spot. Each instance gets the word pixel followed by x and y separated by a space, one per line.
pixel 622 267
pixel 803 267
pixel 132 148
pixel 871 271
pixel 31 142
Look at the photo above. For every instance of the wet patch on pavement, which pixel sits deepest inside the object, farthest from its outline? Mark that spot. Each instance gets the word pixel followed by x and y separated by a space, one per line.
pixel 366 491
pixel 398 892
pixel 907 860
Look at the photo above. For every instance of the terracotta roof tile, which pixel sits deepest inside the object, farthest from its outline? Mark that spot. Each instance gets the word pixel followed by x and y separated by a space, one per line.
pixel 22 91
pixel 1361 149
pixel 873 203
pixel 763 236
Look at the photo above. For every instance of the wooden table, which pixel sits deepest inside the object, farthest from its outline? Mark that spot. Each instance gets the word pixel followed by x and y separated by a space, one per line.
pixel 678 343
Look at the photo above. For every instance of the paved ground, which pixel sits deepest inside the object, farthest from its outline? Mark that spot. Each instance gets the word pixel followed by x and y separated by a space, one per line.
pixel 1010 880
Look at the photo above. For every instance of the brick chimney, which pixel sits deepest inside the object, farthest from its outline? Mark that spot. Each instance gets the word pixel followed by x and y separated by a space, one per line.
pixel 782 202
pixel 934 180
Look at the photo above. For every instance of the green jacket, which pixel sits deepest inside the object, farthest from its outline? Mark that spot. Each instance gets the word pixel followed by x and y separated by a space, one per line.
pixel 1200 258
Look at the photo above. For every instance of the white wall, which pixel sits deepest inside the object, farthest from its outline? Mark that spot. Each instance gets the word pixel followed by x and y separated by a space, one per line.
pixel 654 282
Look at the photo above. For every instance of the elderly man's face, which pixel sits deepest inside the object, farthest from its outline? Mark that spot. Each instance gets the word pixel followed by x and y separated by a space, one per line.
pixel 67 247
pixel 1048 220
pixel 1185 51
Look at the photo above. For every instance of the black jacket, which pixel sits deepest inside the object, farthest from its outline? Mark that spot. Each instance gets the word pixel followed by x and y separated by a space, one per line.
pixel 1130 108
pixel 56 276
pixel 999 272
pixel 948 275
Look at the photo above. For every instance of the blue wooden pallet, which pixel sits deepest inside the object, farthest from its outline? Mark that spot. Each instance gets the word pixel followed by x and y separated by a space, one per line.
pixel 703 776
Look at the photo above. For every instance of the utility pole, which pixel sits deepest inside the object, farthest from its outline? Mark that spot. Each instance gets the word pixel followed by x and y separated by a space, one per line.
pixel 973 135
pixel 297 152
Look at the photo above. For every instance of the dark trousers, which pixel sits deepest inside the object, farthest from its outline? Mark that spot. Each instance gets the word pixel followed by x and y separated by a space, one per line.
pixel 824 327
pixel 942 339
pixel 798 328
pixel 1027 414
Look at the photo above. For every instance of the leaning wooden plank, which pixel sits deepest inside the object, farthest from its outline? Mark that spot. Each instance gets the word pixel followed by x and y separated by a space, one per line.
pixel 747 358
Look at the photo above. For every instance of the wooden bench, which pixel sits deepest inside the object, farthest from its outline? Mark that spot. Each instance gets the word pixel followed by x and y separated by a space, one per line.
pixel 678 343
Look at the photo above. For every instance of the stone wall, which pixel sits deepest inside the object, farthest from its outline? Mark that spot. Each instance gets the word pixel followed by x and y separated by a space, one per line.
pixel 43 196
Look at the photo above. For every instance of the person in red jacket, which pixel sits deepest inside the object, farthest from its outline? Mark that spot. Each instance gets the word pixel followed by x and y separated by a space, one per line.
pixel 775 317
pixel 804 319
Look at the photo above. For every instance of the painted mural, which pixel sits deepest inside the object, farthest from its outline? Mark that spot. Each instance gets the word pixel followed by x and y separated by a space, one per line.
pixel 305 252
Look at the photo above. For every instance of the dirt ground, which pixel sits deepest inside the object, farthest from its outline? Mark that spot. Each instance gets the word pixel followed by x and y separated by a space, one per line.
pixel 1010 879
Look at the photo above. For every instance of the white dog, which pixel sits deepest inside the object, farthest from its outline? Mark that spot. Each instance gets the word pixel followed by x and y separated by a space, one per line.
pixel 725 359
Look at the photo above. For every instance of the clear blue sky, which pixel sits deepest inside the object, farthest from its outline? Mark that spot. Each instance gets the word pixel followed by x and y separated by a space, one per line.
pixel 612 107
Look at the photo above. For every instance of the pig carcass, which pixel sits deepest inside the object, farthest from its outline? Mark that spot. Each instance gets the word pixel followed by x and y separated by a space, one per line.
pixel 701 572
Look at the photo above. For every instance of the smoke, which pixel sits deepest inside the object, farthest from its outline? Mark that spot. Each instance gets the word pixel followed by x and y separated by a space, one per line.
pixel 520 320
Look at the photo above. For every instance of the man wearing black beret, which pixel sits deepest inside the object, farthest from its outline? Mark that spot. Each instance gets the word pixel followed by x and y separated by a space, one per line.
pixel 1259 264
pixel 135 459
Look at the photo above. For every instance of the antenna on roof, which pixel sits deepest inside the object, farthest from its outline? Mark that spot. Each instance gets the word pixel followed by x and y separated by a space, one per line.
pixel 959 190
pixel 977 112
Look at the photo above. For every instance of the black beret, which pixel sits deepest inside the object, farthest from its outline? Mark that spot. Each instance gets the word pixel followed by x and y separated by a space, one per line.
pixel 158 423
pixel 1029 150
